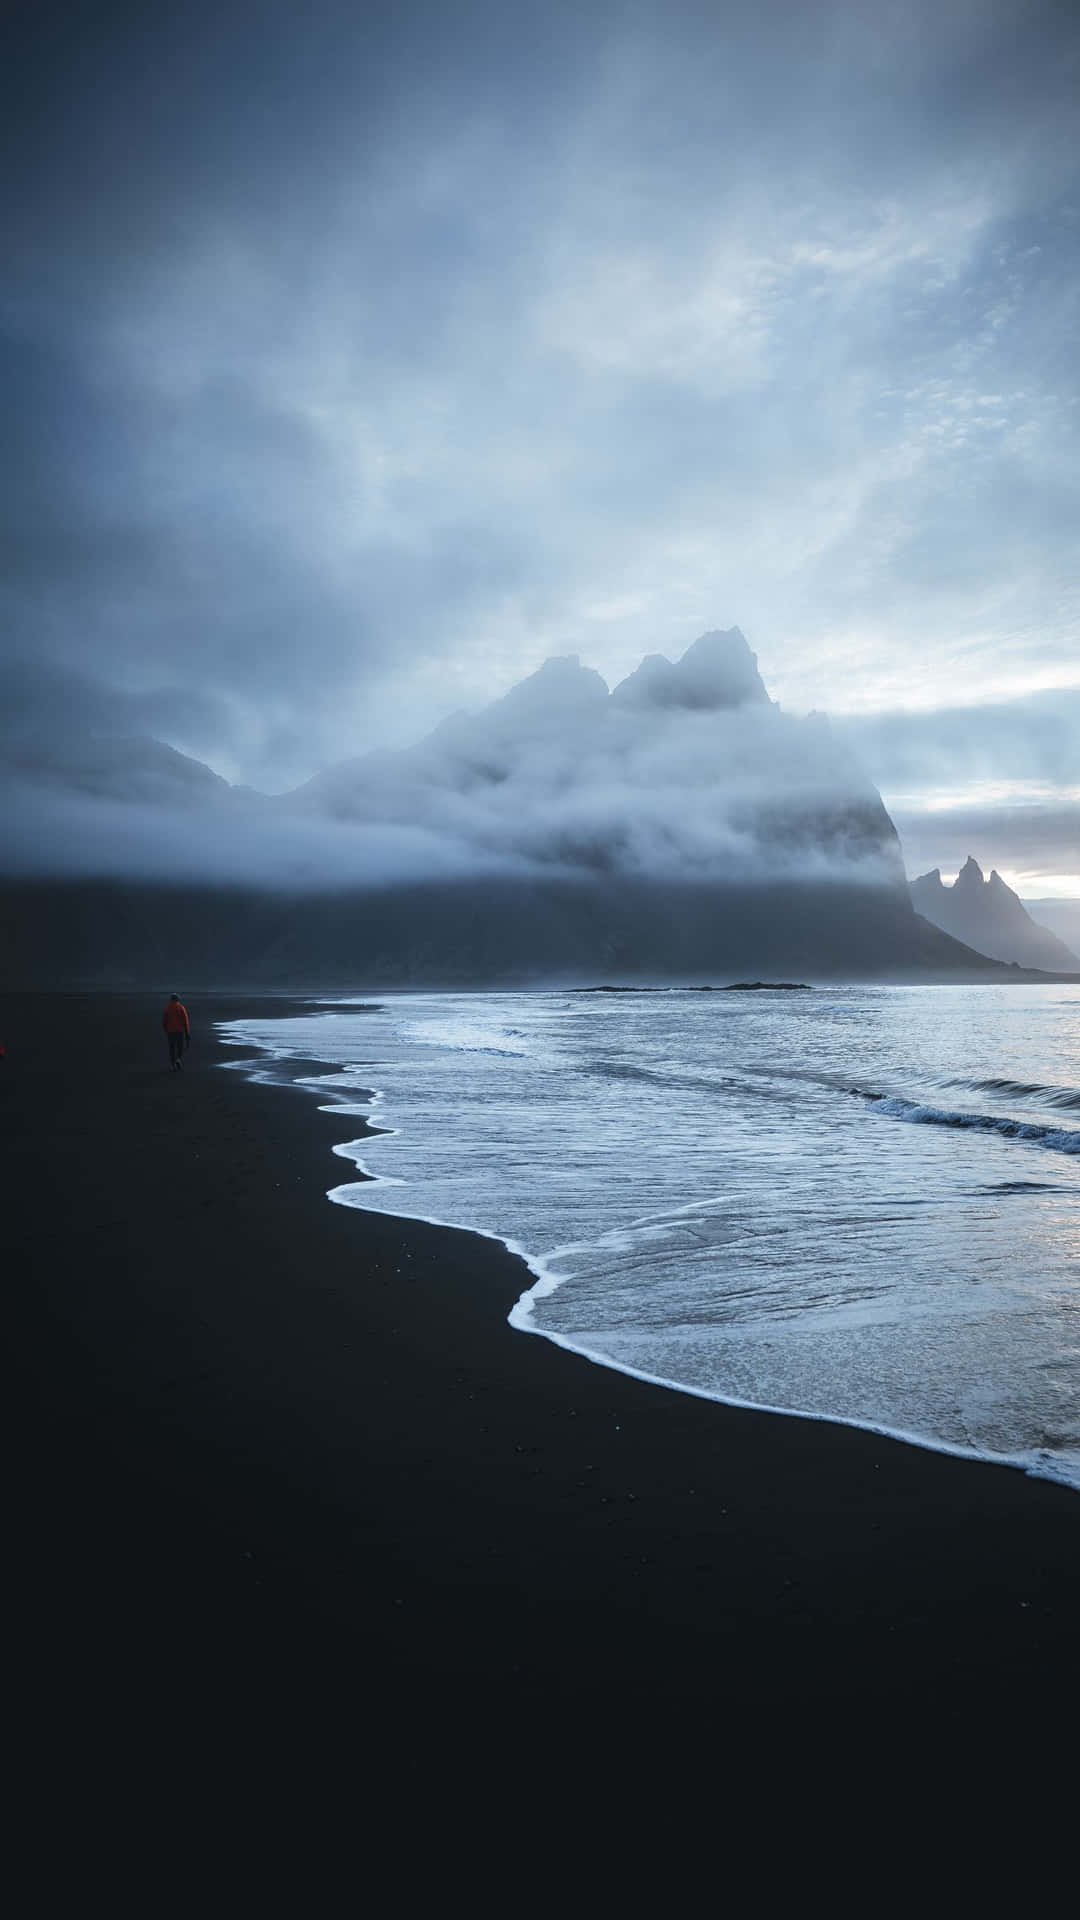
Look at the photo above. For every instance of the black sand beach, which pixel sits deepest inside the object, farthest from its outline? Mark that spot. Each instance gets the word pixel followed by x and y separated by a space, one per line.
pixel 277 1450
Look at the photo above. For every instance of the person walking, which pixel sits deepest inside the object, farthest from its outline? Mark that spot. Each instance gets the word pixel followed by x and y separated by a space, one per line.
pixel 177 1031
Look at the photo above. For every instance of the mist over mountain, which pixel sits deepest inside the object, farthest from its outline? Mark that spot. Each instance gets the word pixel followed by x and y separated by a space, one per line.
pixel 685 770
pixel 990 917
pixel 681 824
pixel 1061 916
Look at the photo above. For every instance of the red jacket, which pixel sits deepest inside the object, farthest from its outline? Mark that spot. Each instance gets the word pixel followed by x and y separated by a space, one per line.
pixel 174 1019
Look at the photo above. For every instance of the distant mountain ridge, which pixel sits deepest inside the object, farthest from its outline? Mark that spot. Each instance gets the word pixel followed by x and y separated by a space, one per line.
pixel 989 916
pixel 680 827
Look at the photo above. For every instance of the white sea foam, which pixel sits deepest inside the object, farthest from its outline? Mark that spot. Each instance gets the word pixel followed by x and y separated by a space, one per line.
pixel 746 1231
pixel 1057 1139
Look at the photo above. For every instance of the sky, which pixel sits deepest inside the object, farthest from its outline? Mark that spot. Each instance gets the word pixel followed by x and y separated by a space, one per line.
pixel 357 359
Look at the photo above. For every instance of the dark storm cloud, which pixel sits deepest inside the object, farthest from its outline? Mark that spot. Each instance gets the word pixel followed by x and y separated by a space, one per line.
pixel 189 195
pixel 360 356
pixel 46 706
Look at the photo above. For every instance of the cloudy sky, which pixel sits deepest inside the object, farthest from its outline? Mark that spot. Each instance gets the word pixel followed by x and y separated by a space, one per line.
pixel 356 358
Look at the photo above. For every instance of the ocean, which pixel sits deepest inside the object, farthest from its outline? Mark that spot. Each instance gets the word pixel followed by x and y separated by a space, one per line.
pixel 860 1203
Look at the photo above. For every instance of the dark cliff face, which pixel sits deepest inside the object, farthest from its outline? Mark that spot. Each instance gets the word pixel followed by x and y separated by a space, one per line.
pixel 990 917
pixel 681 826
pixel 116 934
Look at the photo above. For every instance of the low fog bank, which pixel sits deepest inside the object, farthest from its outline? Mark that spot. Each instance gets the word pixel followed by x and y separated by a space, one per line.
pixel 679 826
pixel 683 772
pixel 686 771
pixel 236 841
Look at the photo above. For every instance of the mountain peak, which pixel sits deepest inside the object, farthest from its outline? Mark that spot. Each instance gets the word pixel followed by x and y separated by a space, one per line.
pixel 718 671
pixel 655 683
pixel 970 875
pixel 561 685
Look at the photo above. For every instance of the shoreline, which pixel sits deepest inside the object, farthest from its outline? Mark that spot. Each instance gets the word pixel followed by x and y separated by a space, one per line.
pixel 261 1432
pixel 544 1282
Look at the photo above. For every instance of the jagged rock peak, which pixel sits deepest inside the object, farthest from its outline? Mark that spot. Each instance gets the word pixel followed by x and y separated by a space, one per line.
pixel 562 684
pixel 718 670
pixel 654 684
pixel 989 916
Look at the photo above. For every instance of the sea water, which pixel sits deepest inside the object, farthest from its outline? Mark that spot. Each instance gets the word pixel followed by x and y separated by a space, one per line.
pixel 859 1202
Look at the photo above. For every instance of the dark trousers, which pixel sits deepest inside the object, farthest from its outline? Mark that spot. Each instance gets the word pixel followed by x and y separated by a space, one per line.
pixel 176 1046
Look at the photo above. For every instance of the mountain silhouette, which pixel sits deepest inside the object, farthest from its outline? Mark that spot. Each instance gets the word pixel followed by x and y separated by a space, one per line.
pixel 989 916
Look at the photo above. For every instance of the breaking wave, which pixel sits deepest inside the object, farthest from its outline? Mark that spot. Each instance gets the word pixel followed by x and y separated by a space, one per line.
pixel 1058 1139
